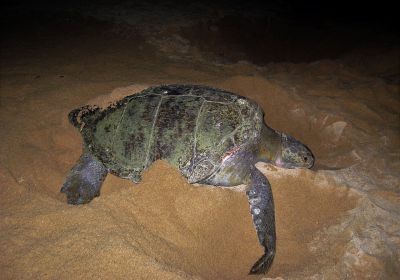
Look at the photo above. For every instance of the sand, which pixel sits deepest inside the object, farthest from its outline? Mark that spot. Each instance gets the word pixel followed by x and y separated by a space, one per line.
pixel 337 221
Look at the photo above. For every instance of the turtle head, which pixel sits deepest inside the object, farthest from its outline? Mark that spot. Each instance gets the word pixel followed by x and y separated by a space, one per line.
pixel 293 154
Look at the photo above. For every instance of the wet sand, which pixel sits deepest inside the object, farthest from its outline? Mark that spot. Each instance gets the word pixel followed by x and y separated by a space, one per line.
pixel 338 220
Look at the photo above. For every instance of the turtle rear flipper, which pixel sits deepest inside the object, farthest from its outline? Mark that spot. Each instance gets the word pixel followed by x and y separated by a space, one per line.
pixel 262 209
pixel 82 115
pixel 84 181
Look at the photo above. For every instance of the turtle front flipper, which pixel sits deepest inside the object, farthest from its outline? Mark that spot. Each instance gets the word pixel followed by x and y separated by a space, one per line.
pixel 262 209
pixel 84 181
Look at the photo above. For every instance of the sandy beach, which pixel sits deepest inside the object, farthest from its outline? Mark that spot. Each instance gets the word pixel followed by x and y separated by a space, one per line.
pixel 339 220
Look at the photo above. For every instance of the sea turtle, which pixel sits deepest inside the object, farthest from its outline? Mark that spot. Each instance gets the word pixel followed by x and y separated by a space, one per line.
pixel 214 137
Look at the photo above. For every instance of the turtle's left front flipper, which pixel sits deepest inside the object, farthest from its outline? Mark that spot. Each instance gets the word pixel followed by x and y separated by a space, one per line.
pixel 262 209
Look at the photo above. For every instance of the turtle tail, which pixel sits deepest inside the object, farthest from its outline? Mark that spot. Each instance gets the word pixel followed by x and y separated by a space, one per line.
pixel 82 115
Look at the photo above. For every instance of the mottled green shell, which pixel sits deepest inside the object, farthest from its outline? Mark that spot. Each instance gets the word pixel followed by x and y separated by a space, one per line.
pixel 191 127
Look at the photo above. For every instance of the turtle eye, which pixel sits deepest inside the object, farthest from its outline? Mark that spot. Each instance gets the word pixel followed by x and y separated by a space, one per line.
pixel 305 159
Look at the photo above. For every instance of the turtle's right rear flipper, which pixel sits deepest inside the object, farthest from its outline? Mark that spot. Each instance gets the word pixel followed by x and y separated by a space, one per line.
pixel 82 115
pixel 262 209
pixel 84 181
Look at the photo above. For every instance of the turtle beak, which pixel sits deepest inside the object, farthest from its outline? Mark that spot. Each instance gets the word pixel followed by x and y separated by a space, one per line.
pixel 309 159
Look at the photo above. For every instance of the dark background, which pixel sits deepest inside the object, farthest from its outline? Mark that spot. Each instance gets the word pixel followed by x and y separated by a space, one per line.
pixel 258 31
